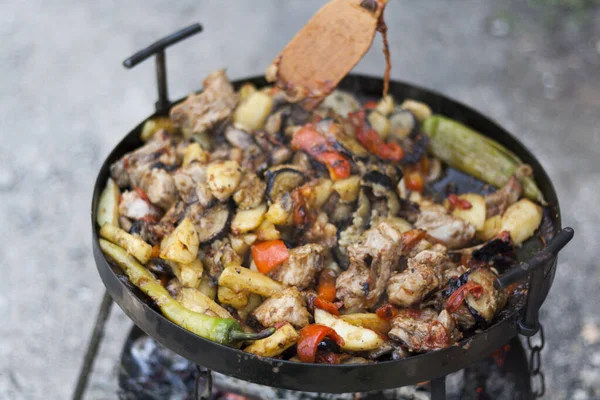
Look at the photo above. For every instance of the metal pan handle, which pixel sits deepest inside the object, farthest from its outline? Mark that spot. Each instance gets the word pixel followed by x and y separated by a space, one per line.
pixel 158 48
pixel 523 269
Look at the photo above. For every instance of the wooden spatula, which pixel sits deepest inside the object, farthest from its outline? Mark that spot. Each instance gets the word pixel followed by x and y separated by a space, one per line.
pixel 326 49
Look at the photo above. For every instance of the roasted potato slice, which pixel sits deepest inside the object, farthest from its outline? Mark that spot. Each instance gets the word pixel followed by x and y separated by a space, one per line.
pixel 190 274
pixel 223 178
pixel 368 320
pixel 355 337
pixel 108 204
pixel 491 228
pixel 182 244
pixel 474 215
pixel 247 220
pixel 522 219
pixel 153 125
pixel 348 188
pixel 252 113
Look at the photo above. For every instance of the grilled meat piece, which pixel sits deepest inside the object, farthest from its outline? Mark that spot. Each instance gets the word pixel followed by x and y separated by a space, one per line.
pixel 438 223
pixel 302 266
pixel 423 275
pixel 497 202
pixel 410 287
pixel 134 207
pixel 200 112
pixel 217 256
pixel 191 183
pixel 372 260
pixel 321 231
pixel 160 187
pixel 285 306
pixel 491 300
pixel 424 330
pixel 129 169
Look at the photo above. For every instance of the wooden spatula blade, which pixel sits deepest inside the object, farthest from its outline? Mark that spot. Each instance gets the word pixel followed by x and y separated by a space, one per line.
pixel 326 49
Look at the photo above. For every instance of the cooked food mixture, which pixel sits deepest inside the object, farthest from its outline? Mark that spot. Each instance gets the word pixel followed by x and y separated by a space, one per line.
pixel 243 212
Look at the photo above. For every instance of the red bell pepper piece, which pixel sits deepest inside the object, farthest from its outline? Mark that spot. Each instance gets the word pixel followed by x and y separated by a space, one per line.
pixel 309 338
pixel 330 307
pixel 371 140
pixel 268 255
pixel 459 295
pixel 142 194
pixel 309 140
pixel 411 238
pixel 326 287
pixel 387 312
pixel 457 202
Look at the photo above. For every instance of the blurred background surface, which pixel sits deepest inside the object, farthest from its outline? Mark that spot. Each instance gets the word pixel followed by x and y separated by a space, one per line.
pixel 65 101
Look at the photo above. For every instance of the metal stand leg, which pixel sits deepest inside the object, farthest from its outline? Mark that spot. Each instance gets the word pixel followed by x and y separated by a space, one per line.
pixel 204 393
pixel 94 344
pixel 438 388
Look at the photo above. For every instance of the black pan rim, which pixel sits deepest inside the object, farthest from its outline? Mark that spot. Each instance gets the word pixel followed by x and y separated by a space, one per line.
pixel 117 289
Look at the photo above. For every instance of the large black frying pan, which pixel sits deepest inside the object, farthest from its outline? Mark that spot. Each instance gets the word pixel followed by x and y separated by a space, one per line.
pixel 338 378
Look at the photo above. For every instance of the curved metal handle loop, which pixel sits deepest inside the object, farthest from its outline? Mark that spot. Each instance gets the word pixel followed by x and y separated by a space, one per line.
pixel 158 48
pixel 525 268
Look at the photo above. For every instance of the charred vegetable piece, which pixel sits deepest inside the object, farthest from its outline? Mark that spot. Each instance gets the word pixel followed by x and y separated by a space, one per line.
pixel 372 141
pixel 458 297
pixel 213 223
pixel 469 151
pixel 309 339
pixel 342 142
pixel 221 330
pixel 268 255
pixel 309 140
pixel 283 180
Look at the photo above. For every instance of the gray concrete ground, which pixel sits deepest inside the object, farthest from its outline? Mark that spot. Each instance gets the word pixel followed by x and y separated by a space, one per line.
pixel 66 100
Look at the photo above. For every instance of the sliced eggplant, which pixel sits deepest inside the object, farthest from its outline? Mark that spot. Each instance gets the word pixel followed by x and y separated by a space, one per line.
pixel 375 177
pixel 342 142
pixel 403 124
pixel 491 300
pixel 283 180
pixel 214 222
pixel 414 149
pixel 238 138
